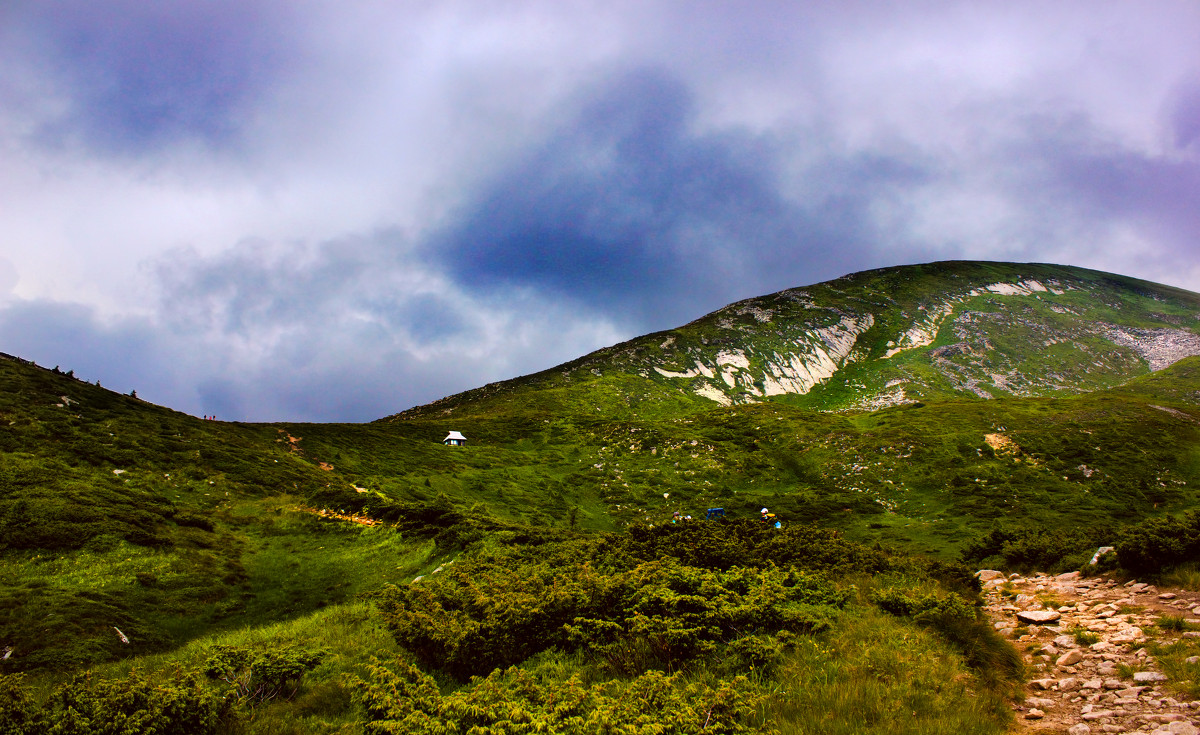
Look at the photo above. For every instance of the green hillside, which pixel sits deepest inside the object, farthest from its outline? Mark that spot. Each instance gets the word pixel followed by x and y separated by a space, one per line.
pixel 1022 414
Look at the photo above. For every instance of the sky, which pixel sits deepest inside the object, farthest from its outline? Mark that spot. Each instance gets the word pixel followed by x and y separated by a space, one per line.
pixel 311 211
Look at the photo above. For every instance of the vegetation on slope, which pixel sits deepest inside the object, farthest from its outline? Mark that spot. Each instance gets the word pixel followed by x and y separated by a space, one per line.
pixel 170 554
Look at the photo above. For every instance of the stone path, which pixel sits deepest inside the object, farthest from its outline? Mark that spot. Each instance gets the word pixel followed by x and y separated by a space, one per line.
pixel 1079 689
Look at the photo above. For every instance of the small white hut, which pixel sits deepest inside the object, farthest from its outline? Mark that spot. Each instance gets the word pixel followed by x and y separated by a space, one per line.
pixel 454 439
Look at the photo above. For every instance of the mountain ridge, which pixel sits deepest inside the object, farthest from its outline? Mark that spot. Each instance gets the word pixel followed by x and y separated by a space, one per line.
pixel 898 335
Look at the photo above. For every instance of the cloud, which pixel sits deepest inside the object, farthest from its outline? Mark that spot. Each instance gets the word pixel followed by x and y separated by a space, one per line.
pixel 631 211
pixel 134 76
pixel 266 211
pixel 347 330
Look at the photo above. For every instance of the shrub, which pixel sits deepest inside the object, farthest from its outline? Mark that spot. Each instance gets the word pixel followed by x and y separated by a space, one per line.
pixel 1027 548
pixel 656 615
pixel 1158 543
pixel 19 714
pixel 133 706
pixel 261 676
pixel 514 702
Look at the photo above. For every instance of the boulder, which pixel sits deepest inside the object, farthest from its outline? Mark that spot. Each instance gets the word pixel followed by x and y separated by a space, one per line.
pixel 1070 658
pixel 987 575
pixel 1038 617
pixel 1145 676
pixel 1080 729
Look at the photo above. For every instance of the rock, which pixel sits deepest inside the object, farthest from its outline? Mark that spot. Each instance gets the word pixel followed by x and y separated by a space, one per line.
pixel 987 575
pixel 1034 714
pixel 1093 684
pixel 1182 728
pixel 1038 617
pixel 1040 703
pixel 1069 684
pixel 1112 684
pixel 1097 715
pixel 1192 634
pixel 1067 577
pixel 1080 729
pixel 1044 683
pixel 1065 641
pixel 1069 659
pixel 1192 660
pixel 1143 676
pixel 1168 596
pixel 1128 635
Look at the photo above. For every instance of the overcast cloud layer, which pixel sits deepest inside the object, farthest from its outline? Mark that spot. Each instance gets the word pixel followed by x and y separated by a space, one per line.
pixel 314 211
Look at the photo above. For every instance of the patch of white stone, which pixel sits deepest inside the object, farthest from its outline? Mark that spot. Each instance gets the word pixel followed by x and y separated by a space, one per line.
pixel 799 372
pixel 922 333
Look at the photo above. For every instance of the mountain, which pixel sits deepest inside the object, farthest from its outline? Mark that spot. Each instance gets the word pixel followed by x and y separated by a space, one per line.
pixel 888 337
pixel 917 416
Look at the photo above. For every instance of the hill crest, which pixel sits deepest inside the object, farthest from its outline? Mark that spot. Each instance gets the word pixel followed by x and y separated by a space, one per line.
pixel 892 336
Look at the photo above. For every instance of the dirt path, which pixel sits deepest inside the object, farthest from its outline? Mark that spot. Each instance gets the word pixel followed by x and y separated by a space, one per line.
pixel 1111 685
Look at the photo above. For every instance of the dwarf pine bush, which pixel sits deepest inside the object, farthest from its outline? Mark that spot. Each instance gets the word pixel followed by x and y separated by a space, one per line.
pixel 135 705
pixel 513 701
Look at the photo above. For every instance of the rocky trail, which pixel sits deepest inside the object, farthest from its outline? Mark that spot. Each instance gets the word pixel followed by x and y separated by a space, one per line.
pixel 1089 643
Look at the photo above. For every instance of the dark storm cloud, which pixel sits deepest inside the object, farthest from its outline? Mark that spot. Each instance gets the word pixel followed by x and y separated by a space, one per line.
pixel 140 74
pixel 631 211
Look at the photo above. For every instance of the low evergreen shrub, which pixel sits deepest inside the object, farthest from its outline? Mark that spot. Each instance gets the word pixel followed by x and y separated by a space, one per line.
pixel 1157 544
pixel 514 702
pixel 181 704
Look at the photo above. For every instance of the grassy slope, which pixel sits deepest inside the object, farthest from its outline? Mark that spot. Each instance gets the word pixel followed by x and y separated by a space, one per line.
pixel 203 535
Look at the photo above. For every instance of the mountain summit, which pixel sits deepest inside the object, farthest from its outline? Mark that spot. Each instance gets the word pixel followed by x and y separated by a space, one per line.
pixel 887 337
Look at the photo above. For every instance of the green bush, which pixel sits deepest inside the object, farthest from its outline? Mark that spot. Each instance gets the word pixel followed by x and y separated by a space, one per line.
pixel 514 702
pixel 19 714
pixel 1156 544
pixel 261 676
pixel 482 615
pixel 1029 548
pixel 180 705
